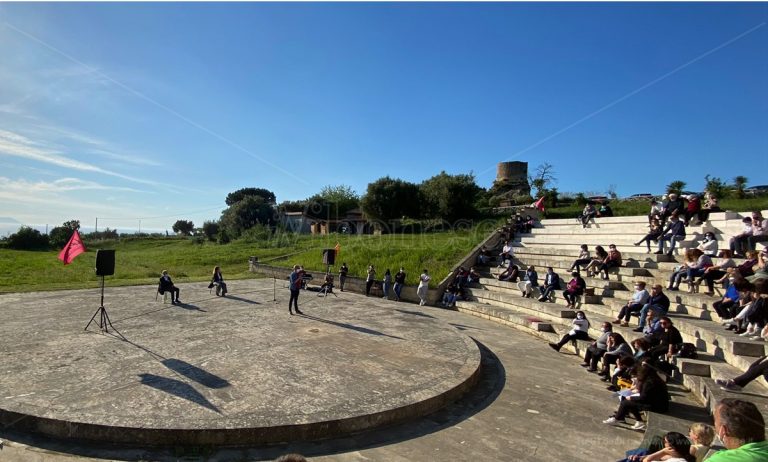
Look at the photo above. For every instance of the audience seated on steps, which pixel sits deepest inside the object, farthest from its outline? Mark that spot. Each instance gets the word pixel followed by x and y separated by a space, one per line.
pixel 701 436
pixel 741 427
pixel 574 289
pixel 657 306
pixel 616 348
pixel 530 282
pixel 605 210
pixel 673 444
pixel 727 307
pixel 675 206
pixel 759 230
pixel 708 244
pixel 654 232
pixel 551 283
pixel 506 253
pixel 755 370
pixel 622 374
pixel 613 260
pixel 761 268
pixel 635 304
pixel 665 343
pixel 674 232
pixel 642 349
pixel 510 274
pixel 589 213
pixel 584 259
pixel 738 310
pixel 579 331
pixel 711 204
pixel 598 348
pixel 754 316
pixel 483 256
pixel 657 208
pixel 474 276
pixel 718 272
pixel 597 260
pixel 692 209
pixel 696 268
pixel 650 395
pixel 738 242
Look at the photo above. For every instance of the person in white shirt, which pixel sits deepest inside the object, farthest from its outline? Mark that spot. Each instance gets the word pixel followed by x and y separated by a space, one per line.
pixel 636 302
pixel 709 244
pixel 759 230
pixel 738 243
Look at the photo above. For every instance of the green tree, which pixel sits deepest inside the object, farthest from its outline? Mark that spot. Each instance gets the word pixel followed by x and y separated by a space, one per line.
pixel 341 199
pixel 715 186
pixel 676 187
pixel 450 197
pixel 210 229
pixel 740 183
pixel 183 227
pixel 60 235
pixel 248 212
pixel 27 238
pixel 240 194
pixel 389 199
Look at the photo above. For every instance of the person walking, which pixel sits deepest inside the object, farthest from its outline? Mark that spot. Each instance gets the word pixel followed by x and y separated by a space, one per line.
pixel 399 283
pixel 295 285
pixel 423 288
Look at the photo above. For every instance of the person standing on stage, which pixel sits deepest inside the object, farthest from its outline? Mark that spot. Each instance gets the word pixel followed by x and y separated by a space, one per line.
pixel 295 285
pixel 399 283
pixel 423 287
pixel 370 279
pixel 343 275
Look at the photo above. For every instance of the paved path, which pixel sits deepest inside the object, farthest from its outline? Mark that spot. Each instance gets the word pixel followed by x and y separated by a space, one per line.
pixel 531 404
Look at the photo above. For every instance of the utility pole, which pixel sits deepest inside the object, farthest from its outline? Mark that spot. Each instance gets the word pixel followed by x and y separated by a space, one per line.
pixel 96 230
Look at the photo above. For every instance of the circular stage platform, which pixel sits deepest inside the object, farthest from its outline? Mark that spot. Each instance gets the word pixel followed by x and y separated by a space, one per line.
pixel 237 370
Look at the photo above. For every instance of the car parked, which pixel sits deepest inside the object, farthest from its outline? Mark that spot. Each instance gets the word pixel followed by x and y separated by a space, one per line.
pixel 757 190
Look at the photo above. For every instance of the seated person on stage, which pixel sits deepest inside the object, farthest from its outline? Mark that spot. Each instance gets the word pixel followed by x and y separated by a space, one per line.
pixel 327 283
pixel 635 304
pixel 166 285
pixel 218 281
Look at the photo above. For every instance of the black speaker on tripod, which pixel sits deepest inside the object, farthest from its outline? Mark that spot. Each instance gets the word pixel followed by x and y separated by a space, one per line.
pixel 105 262
pixel 329 257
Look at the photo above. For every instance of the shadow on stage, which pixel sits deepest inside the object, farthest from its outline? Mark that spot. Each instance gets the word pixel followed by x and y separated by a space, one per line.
pixel 363 330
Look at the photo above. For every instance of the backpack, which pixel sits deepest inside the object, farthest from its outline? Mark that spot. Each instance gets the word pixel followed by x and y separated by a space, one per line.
pixel 688 350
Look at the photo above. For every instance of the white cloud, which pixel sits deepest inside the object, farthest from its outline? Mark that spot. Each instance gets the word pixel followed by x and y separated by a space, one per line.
pixel 60 185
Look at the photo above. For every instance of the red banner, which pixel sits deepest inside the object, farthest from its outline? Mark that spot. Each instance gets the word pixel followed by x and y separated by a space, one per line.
pixel 73 248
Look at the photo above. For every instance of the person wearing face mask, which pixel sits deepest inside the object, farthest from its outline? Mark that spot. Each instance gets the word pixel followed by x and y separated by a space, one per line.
pixel 674 233
pixel 579 331
pixel 759 230
pixel 574 289
pixel 715 272
pixel 598 348
pixel 709 244
pixel 636 303
pixel 741 428
pixel 551 283
pixel 658 302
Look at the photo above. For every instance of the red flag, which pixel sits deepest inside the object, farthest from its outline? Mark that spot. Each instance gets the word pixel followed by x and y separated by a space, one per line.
pixel 337 249
pixel 539 204
pixel 73 248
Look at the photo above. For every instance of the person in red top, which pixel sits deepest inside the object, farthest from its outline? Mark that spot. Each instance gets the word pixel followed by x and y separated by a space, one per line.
pixel 613 260
pixel 693 208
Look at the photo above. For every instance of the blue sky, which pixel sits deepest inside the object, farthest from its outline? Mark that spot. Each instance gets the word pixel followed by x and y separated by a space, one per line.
pixel 154 112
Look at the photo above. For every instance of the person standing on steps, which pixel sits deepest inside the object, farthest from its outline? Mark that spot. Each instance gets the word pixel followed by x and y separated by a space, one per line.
pixel 386 283
pixel 295 281
pixel 423 288
pixel 343 275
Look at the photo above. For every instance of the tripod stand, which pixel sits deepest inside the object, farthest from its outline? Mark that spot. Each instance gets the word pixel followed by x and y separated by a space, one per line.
pixel 104 322
pixel 327 287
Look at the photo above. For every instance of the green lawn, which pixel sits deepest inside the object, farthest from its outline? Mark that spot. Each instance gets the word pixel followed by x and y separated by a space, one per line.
pixel 140 261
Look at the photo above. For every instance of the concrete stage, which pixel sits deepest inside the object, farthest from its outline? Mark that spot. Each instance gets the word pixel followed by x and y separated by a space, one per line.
pixel 237 370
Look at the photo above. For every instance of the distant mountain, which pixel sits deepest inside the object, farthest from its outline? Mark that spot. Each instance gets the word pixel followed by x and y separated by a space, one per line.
pixel 9 221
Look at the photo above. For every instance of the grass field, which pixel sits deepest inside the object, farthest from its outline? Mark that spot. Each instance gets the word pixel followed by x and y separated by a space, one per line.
pixel 140 261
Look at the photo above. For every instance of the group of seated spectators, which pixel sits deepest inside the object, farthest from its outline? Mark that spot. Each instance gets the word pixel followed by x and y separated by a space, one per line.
pixel 517 224
pixel 600 263
pixel 755 230
pixel 590 212
pixel 456 289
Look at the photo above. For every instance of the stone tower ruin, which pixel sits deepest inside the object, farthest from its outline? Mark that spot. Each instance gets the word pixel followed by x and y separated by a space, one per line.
pixel 512 178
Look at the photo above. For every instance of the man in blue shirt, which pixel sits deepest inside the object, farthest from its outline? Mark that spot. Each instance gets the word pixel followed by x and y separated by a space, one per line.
pixel 295 285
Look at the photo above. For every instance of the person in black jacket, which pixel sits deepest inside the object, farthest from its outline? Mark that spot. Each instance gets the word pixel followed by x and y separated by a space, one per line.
pixel 652 395
pixel 551 283
pixel 166 284
pixel 659 302
pixel 674 232
pixel 399 283
pixel 667 341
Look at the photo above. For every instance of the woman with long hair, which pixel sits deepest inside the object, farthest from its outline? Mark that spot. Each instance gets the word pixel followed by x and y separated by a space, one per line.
pixel 217 280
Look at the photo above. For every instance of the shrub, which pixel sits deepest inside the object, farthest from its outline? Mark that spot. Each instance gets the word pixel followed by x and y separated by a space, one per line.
pixel 27 238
